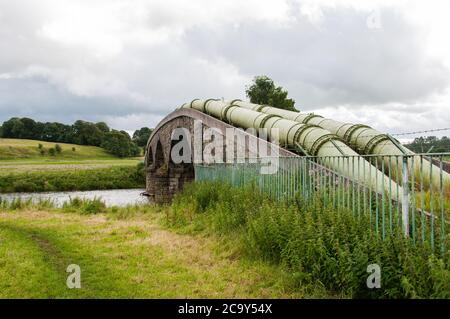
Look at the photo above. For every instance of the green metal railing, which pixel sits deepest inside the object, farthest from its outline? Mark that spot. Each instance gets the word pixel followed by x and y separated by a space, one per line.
pixel 396 193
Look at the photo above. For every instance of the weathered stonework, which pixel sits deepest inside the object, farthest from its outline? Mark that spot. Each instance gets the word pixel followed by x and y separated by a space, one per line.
pixel 164 177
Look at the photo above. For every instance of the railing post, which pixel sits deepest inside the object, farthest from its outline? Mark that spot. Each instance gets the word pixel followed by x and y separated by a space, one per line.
pixel 405 199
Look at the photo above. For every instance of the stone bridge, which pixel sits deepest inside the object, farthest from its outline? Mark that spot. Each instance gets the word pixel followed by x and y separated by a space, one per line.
pixel 165 175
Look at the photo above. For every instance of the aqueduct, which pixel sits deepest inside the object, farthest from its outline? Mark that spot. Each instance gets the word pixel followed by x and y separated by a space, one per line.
pixel 164 176
pixel 298 134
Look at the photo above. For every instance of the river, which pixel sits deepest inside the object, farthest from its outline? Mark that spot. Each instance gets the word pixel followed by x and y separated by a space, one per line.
pixel 112 197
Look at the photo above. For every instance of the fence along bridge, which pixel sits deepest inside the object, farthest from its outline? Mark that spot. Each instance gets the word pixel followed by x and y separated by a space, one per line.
pixel 340 165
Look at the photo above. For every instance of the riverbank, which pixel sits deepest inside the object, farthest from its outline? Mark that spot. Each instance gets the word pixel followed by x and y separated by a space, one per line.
pixel 27 166
pixel 81 179
pixel 212 241
pixel 111 197
pixel 122 253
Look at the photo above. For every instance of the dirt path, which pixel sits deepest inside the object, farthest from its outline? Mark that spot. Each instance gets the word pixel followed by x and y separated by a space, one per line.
pixel 137 258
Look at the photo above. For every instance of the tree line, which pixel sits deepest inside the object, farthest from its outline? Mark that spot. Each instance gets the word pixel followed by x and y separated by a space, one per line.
pixel 429 144
pixel 262 90
pixel 118 143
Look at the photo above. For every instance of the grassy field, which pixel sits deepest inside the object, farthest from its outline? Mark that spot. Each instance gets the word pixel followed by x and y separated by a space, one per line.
pixel 83 179
pixel 18 149
pixel 18 155
pixel 24 169
pixel 8 167
pixel 123 254
pixel 213 241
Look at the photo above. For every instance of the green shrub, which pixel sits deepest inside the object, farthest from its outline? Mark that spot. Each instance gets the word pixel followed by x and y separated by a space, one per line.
pixel 139 174
pixel 85 206
pixel 52 151
pixel 117 177
pixel 58 148
pixel 318 246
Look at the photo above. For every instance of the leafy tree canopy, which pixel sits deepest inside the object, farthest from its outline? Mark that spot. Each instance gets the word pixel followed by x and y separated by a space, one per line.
pixel 141 136
pixel 264 91
pixel 81 132
pixel 120 144
pixel 432 144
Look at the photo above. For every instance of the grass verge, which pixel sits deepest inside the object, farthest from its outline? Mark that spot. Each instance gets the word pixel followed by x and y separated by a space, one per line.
pixel 19 149
pixel 122 253
pixel 213 241
pixel 319 247
pixel 116 177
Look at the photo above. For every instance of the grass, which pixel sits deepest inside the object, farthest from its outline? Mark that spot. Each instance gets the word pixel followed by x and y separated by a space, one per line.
pixel 17 155
pixel 320 247
pixel 213 241
pixel 19 149
pixel 122 253
pixel 115 177
pixel 24 169
pixel 33 166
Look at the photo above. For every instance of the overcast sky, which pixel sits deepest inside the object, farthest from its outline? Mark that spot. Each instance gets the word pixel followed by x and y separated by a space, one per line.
pixel 131 62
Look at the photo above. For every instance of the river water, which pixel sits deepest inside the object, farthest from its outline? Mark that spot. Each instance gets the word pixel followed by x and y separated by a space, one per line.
pixel 113 197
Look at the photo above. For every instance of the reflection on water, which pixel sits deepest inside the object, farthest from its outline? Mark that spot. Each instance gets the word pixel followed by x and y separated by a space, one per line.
pixel 113 197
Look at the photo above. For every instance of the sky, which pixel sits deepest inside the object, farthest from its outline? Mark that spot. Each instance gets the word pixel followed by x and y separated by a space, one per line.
pixel 131 62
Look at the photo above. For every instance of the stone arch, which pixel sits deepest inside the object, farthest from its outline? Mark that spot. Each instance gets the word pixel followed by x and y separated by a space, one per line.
pixel 148 157
pixel 160 163
pixel 164 176
pixel 181 173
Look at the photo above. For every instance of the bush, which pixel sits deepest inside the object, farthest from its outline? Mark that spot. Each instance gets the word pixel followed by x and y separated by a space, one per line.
pixel 52 151
pixel 139 174
pixel 73 149
pixel 58 148
pixel 40 146
pixel 318 246
pixel 85 206
pixel 117 177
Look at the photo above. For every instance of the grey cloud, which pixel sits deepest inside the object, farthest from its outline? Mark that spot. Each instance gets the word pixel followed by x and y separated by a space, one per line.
pixel 35 97
pixel 339 61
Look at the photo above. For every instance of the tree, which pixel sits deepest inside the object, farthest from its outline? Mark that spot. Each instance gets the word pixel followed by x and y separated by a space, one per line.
pixel 81 132
pixel 29 128
pixel 52 151
pixel 50 132
pixel 141 136
pixel 264 91
pixel 102 126
pixel 120 144
pixel 58 148
pixel 87 133
pixel 13 128
pixel 429 144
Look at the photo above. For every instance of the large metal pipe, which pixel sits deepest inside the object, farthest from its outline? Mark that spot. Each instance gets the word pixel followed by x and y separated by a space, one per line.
pixel 361 138
pixel 310 138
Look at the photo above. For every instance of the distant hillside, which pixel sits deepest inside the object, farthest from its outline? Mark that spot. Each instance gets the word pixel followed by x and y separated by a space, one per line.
pixel 11 149
pixel 99 134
